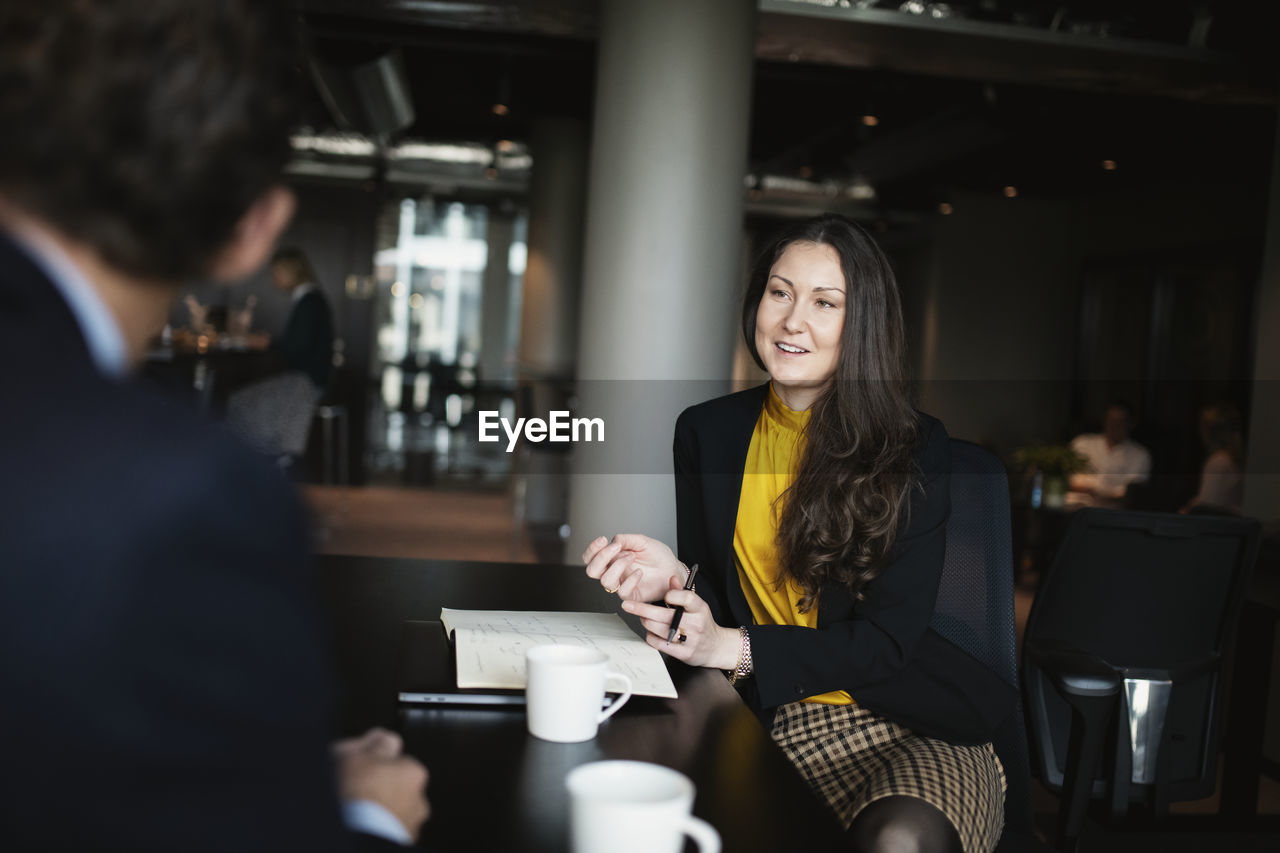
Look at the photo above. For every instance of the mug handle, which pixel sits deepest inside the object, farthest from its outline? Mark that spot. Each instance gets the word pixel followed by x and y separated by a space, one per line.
pixel 702 833
pixel 620 701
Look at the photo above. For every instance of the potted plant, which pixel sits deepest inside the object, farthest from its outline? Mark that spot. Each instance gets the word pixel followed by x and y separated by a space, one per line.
pixel 1049 466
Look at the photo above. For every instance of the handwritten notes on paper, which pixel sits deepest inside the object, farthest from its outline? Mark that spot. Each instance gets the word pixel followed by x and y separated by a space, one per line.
pixel 490 646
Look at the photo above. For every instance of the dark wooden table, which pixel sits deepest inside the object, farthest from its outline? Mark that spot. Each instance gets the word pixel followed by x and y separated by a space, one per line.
pixel 209 377
pixel 494 787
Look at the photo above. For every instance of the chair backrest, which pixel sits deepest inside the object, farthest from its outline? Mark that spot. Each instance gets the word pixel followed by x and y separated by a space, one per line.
pixel 274 415
pixel 1146 589
pixel 1146 593
pixel 975 608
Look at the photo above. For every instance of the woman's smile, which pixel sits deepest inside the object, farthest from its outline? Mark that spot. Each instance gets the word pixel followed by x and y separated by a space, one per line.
pixel 800 320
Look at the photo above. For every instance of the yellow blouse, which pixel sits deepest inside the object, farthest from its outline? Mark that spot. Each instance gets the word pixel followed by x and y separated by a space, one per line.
pixel 777 444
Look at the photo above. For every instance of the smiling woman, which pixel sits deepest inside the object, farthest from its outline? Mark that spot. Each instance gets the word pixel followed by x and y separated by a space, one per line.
pixel 821 554
pixel 839 519
pixel 800 320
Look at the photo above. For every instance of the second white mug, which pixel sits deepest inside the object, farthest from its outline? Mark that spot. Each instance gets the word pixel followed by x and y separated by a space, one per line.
pixel 566 686
pixel 634 807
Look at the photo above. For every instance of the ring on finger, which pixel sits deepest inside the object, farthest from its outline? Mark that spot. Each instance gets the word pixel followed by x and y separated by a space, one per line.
pixel 682 637
pixel 612 591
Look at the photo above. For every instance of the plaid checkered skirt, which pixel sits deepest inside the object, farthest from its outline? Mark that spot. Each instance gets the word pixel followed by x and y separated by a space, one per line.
pixel 852 757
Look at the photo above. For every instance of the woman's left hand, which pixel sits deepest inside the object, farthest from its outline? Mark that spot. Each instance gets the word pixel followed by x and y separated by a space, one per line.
pixel 705 643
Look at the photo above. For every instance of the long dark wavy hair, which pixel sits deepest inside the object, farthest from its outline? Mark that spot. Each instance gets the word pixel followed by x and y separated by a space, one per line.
pixel 842 512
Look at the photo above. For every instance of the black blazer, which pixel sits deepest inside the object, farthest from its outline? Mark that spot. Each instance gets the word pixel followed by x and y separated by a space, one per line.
pixel 163 680
pixel 881 650
pixel 306 344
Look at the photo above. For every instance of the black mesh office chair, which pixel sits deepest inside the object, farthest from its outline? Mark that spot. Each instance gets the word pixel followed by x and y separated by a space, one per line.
pixel 975 610
pixel 1122 658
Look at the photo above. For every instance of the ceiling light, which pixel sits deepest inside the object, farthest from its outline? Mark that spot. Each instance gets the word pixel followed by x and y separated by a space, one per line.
pixel 517 161
pixel 506 145
pixel 500 109
pixel 945 209
pixel 338 144
pixel 870 121
pixel 861 189
pixel 1010 192
pixel 932 10
pixel 783 183
pixel 1109 165
pixel 443 152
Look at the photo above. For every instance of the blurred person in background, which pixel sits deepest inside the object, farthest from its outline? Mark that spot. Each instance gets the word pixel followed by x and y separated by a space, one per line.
pixel 306 344
pixel 1222 477
pixel 165 681
pixel 816 509
pixel 273 413
pixel 1115 460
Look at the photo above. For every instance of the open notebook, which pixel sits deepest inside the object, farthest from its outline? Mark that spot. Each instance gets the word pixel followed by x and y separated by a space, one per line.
pixel 428 676
pixel 490 646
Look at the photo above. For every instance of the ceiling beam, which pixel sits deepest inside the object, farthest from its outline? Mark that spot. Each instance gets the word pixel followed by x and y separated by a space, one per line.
pixel 993 52
pixel 790 31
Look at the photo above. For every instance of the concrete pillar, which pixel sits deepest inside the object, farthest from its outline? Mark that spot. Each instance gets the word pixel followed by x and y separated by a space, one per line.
pixel 496 299
pixel 553 272
pixel 661 270
pixel 549 310
pixel 1262 462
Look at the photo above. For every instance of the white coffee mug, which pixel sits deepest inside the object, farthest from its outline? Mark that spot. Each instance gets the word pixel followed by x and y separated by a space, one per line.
pixel 634 807
pixel 566 686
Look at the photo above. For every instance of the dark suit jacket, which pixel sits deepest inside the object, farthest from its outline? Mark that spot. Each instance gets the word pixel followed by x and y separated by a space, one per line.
pixel 306 344
pixel 163 683
pixel 881 650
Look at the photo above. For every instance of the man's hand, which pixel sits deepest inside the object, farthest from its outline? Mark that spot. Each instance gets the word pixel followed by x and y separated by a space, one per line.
pixel 372 767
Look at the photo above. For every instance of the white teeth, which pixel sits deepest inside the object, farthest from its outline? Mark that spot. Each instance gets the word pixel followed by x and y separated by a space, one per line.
pixel 790 348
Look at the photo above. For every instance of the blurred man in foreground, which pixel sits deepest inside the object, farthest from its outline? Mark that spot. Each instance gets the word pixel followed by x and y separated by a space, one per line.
pixel 163 684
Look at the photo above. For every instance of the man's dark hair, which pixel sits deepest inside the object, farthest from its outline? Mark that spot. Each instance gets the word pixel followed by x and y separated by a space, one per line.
pixel 145 128
pixel 1123 405
pixel 296 261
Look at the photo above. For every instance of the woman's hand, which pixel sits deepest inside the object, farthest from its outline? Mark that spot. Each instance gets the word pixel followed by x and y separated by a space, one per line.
pixel 705 643
pixel 634 566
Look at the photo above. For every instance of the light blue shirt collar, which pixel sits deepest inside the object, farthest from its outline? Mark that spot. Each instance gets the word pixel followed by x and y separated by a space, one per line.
pixel 102 336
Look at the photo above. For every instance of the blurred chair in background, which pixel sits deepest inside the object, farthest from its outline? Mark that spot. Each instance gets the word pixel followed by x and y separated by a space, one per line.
pixel 1123 655
pixel 274 415
pixel 335 442
pixel 975 611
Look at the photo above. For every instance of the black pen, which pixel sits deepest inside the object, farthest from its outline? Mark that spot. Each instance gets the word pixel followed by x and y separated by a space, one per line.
pixel 675 620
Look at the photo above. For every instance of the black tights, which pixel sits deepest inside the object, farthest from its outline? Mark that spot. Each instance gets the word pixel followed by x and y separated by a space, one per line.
pixel 903 825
